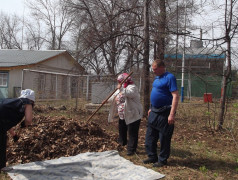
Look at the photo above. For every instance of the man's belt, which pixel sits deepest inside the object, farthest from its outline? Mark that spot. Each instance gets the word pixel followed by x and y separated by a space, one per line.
pixel 161 109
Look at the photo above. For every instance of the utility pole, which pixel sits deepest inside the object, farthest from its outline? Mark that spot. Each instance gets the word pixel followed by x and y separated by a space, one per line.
pixel 183 59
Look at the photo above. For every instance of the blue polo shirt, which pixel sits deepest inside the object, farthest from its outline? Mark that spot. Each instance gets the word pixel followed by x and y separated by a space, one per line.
pixel 161 90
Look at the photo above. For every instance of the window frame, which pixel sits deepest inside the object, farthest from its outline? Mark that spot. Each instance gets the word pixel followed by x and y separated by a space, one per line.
pixel 2 79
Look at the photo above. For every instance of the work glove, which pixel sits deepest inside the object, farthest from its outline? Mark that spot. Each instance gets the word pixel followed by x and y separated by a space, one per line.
pixel 23 124
pixel 15 138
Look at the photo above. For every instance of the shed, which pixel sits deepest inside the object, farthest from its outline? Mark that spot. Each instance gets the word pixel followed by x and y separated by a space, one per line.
pixel 51 73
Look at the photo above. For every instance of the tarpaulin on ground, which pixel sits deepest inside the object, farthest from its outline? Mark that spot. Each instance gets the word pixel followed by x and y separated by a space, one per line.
pixel 108 165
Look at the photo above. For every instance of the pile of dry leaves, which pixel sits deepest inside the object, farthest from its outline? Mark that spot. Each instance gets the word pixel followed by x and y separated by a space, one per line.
pixel 51 138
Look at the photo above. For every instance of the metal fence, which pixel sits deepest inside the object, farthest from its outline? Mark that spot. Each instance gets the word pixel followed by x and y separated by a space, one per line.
pixel 94 89
pixel 60 86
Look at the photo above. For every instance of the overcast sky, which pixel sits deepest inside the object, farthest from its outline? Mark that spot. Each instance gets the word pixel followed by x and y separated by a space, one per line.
pixel 12 6
pixel 202 20
pixel 17 6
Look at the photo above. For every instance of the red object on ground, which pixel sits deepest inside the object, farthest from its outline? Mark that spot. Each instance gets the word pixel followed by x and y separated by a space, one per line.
pixel 207 97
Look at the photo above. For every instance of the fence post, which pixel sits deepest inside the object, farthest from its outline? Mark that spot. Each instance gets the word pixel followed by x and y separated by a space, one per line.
pixel 87 96
pixel 56 87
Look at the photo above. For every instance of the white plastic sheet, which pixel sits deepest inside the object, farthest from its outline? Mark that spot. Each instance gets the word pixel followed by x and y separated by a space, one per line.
pixel 108 165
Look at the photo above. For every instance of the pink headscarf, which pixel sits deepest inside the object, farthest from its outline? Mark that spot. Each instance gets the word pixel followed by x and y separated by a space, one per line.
pixel 123 76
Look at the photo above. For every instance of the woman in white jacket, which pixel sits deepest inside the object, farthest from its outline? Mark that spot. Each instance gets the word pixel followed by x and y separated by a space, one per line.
pixel 125 103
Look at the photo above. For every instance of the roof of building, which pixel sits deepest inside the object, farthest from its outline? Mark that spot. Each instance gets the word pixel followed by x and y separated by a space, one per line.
pixel 16 57
pixel 196 50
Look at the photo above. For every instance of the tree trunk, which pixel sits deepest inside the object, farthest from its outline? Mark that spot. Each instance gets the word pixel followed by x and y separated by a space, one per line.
pixel 226 77
pixel 227 73
pixel 146 66
pixel 161 29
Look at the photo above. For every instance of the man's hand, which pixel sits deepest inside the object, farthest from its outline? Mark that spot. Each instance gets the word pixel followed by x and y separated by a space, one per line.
pixel 171 119
pixel 149 112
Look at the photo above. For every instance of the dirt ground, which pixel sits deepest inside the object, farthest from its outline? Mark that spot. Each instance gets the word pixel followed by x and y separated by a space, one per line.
pixel 198 152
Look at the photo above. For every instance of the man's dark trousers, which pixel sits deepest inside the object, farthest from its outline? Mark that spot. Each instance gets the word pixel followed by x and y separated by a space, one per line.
pixel 158 128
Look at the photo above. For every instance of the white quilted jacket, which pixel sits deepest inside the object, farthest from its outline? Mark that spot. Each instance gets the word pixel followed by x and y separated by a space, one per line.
pixel 133 106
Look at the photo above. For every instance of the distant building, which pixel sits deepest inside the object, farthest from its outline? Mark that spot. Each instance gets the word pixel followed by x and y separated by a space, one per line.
pixel 198 59
pixel 50 73
pixel 203 68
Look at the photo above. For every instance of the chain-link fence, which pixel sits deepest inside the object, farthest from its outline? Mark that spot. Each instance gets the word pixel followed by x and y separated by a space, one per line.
pixel 94 89
pixel 59 86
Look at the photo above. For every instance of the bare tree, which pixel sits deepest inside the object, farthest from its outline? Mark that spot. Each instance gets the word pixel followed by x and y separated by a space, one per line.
pixel 55 18
pixel 10 32
pixel 230 25
pixel 34 38
pixel 106 28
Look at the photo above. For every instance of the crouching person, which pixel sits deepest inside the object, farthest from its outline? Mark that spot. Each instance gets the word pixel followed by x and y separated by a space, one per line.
pixel 12 111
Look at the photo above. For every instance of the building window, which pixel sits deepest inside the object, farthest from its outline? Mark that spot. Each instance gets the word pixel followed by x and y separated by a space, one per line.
pixel 3 79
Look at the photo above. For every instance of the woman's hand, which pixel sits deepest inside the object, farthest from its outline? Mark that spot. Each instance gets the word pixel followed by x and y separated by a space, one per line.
pixel 118 86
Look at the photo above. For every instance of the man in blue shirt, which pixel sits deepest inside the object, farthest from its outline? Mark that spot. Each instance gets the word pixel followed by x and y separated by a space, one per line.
pixel 164 102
